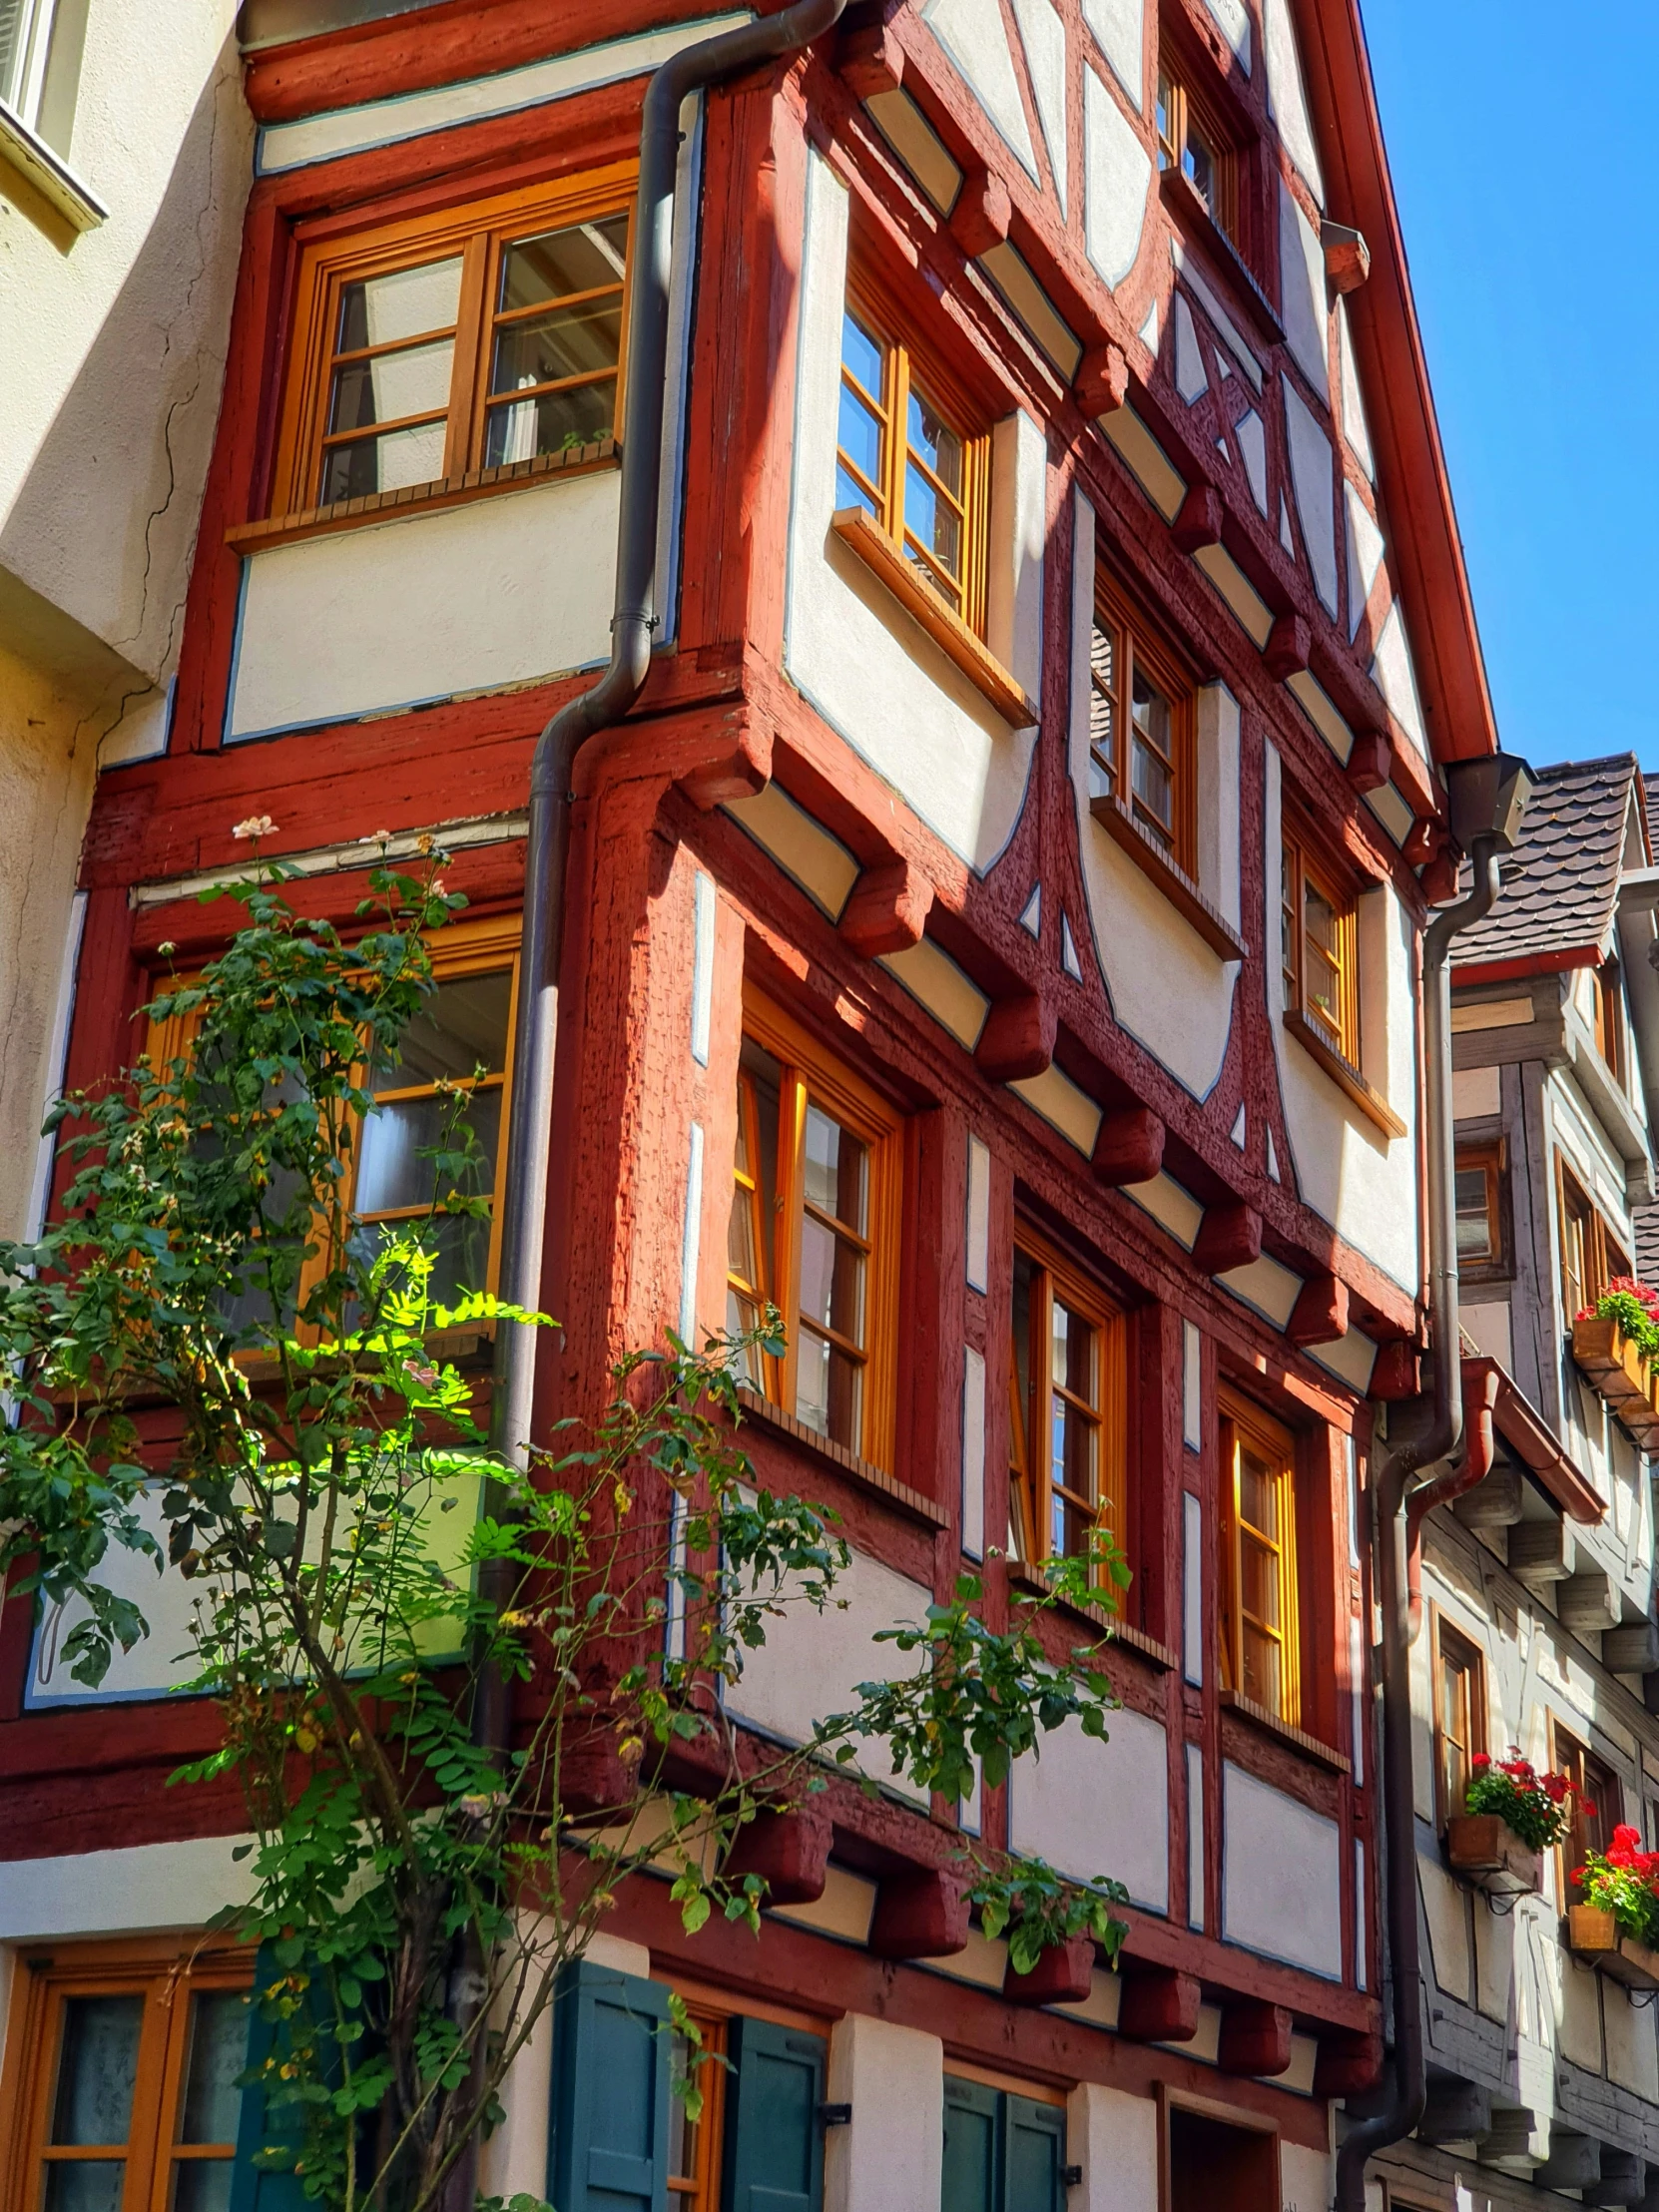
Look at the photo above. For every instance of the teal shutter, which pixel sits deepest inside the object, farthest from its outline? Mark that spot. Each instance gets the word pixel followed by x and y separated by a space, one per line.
pixel 773 2137
pixel 610 2118
pixel 258 2188
pixel 1034 2156
pixel 970 2148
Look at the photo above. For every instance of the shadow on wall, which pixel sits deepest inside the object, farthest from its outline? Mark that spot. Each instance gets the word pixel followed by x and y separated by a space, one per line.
pixel 104 525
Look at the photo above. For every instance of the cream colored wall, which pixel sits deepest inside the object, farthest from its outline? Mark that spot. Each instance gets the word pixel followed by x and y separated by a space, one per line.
pixel 867 666
pixel 1168 989
pixel 1363 1183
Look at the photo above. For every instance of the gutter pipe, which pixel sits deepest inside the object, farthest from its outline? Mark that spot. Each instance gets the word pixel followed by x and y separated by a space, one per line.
pixel 1481 1387
pixel 1403 2108
pixel 547 849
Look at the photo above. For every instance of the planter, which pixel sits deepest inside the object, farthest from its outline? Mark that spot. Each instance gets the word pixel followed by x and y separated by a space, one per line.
pixel 1594 1934
pixel 1624 1380
pixel 1485 1852
pixel 1063 1975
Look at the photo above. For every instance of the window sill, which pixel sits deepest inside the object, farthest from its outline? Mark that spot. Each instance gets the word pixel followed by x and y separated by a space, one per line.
pixel 1179 194
pixel 446 491
pixel 1026 1577
pixel 1347 1078
pixel 1323 1755
pixel 1175 883
pixel 862 1471
pixel 871 544
pixel 51 177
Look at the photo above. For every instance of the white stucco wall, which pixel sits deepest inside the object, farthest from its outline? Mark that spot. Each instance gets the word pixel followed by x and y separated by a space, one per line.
pixel 1281 1876
pixel 1348 1170
pixel 892 2152
pixel 1166 987
pixel 422 607
pixel 867 666
pixel 1098 1809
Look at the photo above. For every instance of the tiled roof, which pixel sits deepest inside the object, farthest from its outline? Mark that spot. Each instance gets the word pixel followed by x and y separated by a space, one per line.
pixel 1562 881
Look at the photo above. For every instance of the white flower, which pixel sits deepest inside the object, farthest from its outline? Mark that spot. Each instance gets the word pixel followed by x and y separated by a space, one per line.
pixel 256 826
pixel 378 836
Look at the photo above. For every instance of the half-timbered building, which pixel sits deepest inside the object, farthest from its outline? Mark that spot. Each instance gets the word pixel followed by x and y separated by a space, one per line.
pixel 1033 806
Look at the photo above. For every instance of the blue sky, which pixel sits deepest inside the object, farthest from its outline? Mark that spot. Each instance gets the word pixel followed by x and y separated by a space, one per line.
pixel 1522 145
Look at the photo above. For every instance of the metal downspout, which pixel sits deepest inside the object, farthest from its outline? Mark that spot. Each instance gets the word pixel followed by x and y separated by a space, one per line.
pixel 547 848
pixel 1405 2101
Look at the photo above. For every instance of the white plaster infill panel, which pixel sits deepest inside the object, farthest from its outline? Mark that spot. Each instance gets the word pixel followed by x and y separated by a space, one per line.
pixel 812 1663
pixel 872 673
pixel 1287 101
pixel 1280 1877
pixel 1302 267
pixel 322 137
pixel 124 1891
pixel 1314 482
pixel 1117 176
pixel 507 590
pixel 1098 1809
pixel 972 35
pixel 1043 36
pixel 1119 25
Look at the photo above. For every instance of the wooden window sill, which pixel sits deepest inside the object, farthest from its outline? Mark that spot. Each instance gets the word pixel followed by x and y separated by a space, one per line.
pixel 1347 1078
pixel 28 156
pixel 446 491
pixel 1025 1577
pixel 1182 197
pixel 848 1463
pixel 869 543
pixel 1323 1755
pixel 1174 882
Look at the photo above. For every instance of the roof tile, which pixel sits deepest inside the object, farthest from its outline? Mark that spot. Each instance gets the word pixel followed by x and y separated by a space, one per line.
pixel 1560 884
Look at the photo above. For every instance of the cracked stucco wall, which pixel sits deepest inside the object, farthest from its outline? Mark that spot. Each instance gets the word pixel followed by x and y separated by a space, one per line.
pixel 112 359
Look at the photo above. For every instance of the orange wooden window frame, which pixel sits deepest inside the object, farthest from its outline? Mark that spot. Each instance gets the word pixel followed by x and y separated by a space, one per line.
pixel 1300 871
pixel 464 949
pixel 478 232
pixel 1030 1473
pixel 1136 642
pixel 1179 113
pixel 1607 992
pixel 810 1072
pixel 1243 1421
pixel 1599 1255
pixel 1460 1695
pixel 167 1972
pixel 906 365
pixel 1594 1783
pixel 1487 1160
pixel 698 2189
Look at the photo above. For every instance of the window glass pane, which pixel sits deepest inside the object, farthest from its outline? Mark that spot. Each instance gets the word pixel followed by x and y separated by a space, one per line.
pixel 202 2185
pixel 1257 1494
pixel 1260 1667
pixel 932 522
pixel 387 386
pixel 581 258
pixel 935 443
pixel 829 1392
pixel 858 435
pixel 367 465
pixel 862 355
pixel 1103 739
pixel 460 1029
pixel 395 1167
pixel 1154 754
pixel 1475 1233
pixel 1200 163
pixel 1257 1571
pixel 85 2185
pixel 1074 1364
pixel 403 303
pixel 97 2068
pixel 552 424
pixel 836 1163
pixel 1166 118
pixel 831 1280
pixel 565 342
pixel 218 2054
pixel 1073 1448
pixel 1322 982
pixel 460 1249
pixel 753 1200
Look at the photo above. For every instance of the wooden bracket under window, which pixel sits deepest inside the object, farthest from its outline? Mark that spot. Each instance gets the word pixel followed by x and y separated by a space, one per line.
pixel 1017 1040
pixel 1394 1374
pixel 1319 1315
pixel 920 1915
pixel 1199 521
pixel 788 1848
pixel 1290 644
pixel 1101 385
pixel 889 908
pixel 1160 2006
pixel 1129 1147
pixel 1350 2061
pixel 982 213
pixel 1255 2037
pixel 1230 1236
pixel 1371 763
pixel 871 60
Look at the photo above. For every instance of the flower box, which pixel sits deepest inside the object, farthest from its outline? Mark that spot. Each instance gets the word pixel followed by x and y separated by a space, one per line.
pixel 1594 1934
pixel 1485 1853
pixel 1624 1379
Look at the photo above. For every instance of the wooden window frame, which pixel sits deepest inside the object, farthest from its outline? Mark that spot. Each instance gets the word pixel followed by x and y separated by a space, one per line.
pixel 1453 1652
pixel 461 949
pixel 1054 1274
pixel 1242 1417
pixel 1188 110
pixel 699 2190
pixel 1136 642
pixel 167 1972
pixel 1604 1257
pixel 905 361
pixel 478 232
pixel 1337 1052
pixel 1607 995
pixel 1490 1158
pixel 1237 2117
pixel 1591 1777
pixel 811 1070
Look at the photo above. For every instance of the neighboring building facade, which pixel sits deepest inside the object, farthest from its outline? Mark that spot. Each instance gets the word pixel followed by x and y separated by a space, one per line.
pixel 1537 1626
pixel 124 164
pixel 1026 807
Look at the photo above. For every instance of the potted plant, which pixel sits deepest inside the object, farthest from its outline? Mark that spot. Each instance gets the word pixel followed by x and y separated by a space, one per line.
pixel 1616 1921
pixel 1512 1816
pixel 1616 1344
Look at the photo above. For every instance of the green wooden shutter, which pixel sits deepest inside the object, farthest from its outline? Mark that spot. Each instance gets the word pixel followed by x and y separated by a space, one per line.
pixel 1034 2156
pixel 258 2188
pixel 610 2117
pixel 970 2146
pixel 773 2137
